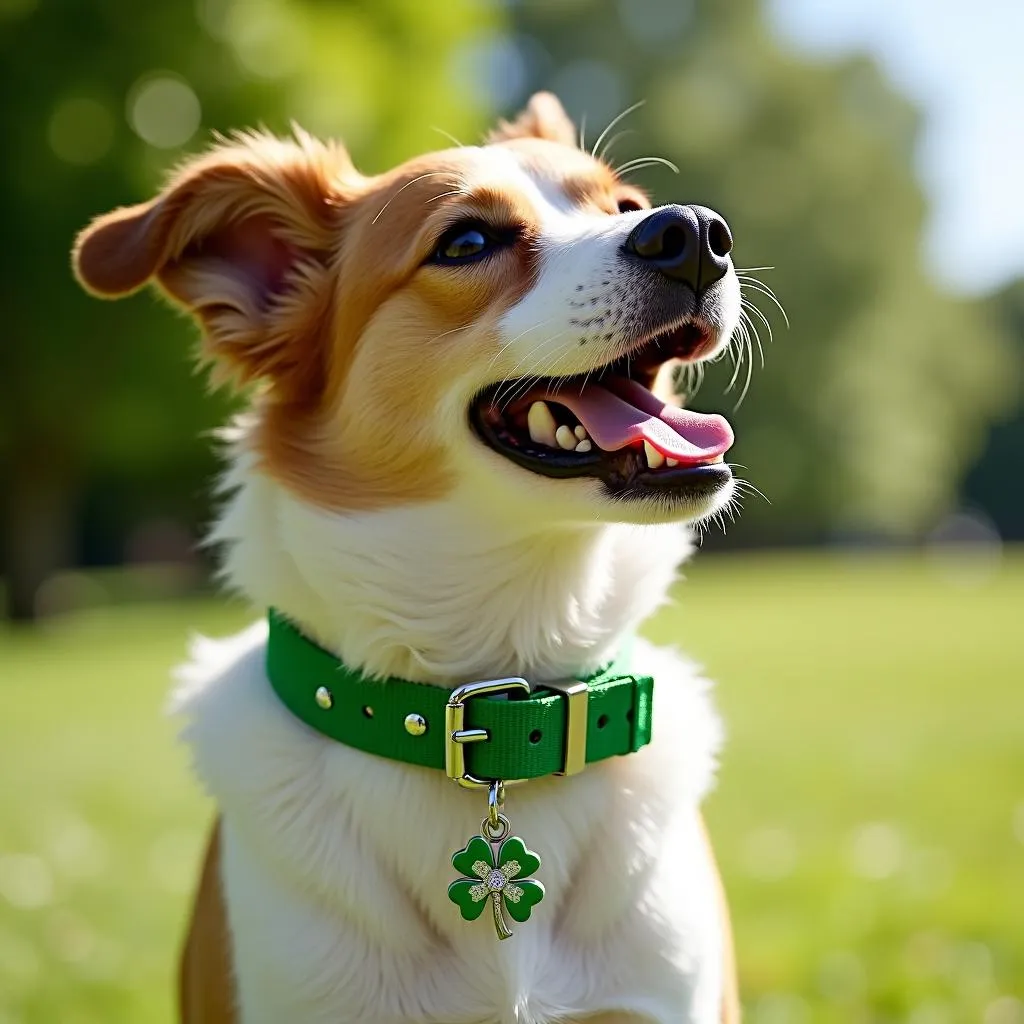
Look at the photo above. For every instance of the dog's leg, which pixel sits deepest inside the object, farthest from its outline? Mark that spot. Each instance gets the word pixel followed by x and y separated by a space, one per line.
pixel 730 984
pixel 206 992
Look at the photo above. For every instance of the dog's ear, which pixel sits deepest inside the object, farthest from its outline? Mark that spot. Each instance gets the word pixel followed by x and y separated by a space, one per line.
pixel 543 118
pixel 242 237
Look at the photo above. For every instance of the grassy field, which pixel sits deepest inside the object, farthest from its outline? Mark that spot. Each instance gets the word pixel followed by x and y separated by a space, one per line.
pixel 869 818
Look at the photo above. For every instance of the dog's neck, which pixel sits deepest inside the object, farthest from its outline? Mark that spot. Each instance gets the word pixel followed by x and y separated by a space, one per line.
pixel 438 592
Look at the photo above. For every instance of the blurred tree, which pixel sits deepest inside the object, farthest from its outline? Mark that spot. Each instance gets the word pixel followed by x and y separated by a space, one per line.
pixel 995 484
pixel 871 407
pixel 101 98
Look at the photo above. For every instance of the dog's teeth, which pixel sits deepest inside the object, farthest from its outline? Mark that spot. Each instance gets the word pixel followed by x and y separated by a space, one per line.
pixel 566 438
pixel 581 432
pixel 671 462
pixel 655 460
pixel 584 446
pixel 541 424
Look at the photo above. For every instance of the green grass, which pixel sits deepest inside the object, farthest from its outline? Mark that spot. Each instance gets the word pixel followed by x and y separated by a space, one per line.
pixel 869 819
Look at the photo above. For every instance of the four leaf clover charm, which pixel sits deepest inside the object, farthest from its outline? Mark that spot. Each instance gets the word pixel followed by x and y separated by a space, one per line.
pixel 496 874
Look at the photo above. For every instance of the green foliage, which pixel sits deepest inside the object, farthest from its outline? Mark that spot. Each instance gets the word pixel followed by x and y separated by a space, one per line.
pixel 866 415
pixel 995 483
pixel 873 405
pixel 868 819
pixel 101 99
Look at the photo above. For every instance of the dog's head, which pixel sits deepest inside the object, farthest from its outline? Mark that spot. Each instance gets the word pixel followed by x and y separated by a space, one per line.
pixel 497 318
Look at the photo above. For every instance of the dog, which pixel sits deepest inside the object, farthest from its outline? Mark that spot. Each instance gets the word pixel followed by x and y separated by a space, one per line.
pixel 462 478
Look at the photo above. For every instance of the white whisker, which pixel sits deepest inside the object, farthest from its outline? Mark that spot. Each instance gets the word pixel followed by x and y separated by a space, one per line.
pixel 513 386
pixel 504 347
pixel 596 151
pixel 448 135
pixel 412 181
pixel 454 330
pixel 746 487
pixel 759 286
pixel 645 161
pixel 444 195
pixel 745 348
pixel 610 144
pixel 753 309
pixel 737 351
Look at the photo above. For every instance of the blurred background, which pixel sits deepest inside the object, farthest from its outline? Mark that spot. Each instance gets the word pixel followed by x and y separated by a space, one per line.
pixel 863 618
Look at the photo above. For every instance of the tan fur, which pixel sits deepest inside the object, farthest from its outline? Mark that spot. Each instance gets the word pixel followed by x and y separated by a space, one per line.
pixel 205 987
pixel 731 1013
pixel 543 118
pixel 398 344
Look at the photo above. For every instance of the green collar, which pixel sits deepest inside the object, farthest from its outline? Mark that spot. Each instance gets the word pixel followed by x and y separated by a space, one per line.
pixel 477 732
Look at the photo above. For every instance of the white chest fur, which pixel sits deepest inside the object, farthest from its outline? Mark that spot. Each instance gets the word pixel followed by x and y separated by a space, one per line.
pixel 336 866
pixel 336 863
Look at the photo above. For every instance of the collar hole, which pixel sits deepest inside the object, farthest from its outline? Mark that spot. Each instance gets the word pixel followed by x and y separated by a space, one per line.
pixel 535 736
pixel 602 721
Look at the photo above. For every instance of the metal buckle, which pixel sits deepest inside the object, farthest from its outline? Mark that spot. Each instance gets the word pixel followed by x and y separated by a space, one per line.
pixel 456 735
pixel 577 696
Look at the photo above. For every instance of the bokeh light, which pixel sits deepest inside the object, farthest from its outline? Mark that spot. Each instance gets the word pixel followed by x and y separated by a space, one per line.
pixel 655 24
pixel 268 39
pixel 81 130
pixel 163 110
pixel 593 88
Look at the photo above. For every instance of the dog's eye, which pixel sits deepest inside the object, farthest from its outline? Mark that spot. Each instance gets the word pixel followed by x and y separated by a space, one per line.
pixel 465 243
pixel 628 205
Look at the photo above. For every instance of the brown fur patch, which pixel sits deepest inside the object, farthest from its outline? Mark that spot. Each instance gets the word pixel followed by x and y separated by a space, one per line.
pixel 314 282
pixel 206 989
pixel 403 332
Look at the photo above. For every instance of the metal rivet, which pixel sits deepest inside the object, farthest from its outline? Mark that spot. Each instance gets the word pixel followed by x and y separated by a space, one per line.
pixel 367 711
pixel 324 698
pixel 415 725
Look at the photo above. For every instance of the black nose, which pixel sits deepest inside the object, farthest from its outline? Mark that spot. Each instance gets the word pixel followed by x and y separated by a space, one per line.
pixel 687 243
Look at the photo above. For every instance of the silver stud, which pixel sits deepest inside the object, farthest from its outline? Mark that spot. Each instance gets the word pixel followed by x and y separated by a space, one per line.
pixel 324 698
pixel 415 725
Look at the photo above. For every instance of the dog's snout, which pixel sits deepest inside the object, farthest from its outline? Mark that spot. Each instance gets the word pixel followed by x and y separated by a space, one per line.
pixel 690 244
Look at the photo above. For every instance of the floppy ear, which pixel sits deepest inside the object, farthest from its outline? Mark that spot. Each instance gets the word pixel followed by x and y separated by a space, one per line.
pixel 543 118
pixel 242 237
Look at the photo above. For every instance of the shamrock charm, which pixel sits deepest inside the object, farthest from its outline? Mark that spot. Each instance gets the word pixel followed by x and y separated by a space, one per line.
pixel 495 874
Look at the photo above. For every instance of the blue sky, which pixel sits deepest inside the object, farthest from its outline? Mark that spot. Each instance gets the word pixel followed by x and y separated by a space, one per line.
pixel 964 65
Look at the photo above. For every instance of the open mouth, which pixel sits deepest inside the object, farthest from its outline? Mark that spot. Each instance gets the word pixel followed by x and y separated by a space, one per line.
pixel 609 424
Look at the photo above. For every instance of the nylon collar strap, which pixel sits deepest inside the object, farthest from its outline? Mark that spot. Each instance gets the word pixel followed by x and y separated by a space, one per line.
pixel 527 735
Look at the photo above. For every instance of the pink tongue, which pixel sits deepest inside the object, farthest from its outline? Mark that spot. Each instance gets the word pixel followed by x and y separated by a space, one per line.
pixel 632 414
